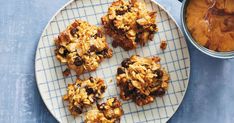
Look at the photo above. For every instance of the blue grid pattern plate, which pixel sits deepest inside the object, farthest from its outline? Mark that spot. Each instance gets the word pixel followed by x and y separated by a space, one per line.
pixel 52 84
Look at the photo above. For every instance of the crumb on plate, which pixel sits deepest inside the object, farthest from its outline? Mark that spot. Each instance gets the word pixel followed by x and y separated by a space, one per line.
pixel 163 45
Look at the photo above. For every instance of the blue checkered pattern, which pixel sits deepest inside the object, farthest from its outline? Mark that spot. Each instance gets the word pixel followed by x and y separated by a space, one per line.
pixel 175 59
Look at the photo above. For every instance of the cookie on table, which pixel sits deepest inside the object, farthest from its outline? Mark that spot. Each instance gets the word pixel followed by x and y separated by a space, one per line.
pixel 82 47
pixel 108 112
pixel 129 23
pixel 141 79
pixel 84 93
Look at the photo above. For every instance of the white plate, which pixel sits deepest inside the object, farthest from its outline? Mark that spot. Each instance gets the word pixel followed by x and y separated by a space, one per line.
pixel 52 84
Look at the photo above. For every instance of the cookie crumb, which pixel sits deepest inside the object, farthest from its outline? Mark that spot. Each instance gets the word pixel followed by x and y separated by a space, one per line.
pixel 163 45
pixel 66 72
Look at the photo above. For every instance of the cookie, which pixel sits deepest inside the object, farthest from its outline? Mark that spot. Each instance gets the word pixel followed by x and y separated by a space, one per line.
pixel 141 79
pixel 82 47
pixel 129 24
pixel 84 93
pixel 108 112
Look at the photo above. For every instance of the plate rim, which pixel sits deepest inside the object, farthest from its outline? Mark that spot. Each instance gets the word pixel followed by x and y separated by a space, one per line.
pixel 169 14
pixel 69 2
pixel 36 55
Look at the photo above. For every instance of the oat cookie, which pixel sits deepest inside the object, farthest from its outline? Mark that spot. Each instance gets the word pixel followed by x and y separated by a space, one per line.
pixel 82 47
pixel 84 93
pixel 109 112
pixel 129 23
pixel 141 79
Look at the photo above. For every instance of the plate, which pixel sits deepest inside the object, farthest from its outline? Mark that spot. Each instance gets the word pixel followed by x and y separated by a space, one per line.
pixel 175 59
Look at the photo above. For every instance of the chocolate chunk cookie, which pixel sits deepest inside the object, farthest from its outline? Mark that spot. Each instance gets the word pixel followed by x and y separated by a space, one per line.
pixel 108 112
pixel 82 47
pixel 141 79
pixel 84 93
pixel 129 24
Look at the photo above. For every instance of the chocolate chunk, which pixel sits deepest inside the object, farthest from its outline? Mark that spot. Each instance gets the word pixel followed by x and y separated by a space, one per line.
pixel 103 88
pixel 77 109
pixel 153 27
pixel 73 31
pixel 99 33
pixel 120 31
pixel 142 96
pixel 89 90
pixel 138 37
pixel 92 48
pixel 159 92
pixel 78 61
pixel 159 73
pixel 139 96
pixel 139 27
pixel 129 89
pixel 128 93
pixel 104 52
pixel 121 12
pixel 65 52
pixel 112 25
pixel 120 71
pixel 91 79
pixel 114 44
pixel 126 62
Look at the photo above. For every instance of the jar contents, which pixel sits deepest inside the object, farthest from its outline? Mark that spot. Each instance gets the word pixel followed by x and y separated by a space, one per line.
pixel 211 23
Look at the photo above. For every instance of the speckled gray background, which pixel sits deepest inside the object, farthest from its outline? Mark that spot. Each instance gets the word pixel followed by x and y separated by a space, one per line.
pixel 209 98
